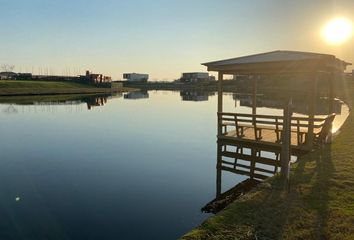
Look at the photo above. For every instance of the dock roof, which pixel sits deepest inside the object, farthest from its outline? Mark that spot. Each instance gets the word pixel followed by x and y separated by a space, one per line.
pixel 279 62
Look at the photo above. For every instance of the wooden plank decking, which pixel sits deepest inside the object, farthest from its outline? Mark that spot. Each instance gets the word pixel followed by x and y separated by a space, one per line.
pixel 268 136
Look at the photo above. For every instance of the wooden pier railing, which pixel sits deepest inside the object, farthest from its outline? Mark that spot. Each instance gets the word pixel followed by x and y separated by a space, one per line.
pixel 268 128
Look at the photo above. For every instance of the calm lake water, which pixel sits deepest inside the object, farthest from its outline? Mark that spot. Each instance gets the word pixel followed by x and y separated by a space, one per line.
pixel 133 166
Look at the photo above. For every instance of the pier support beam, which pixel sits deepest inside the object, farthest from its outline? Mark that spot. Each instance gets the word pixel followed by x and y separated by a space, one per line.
pixel 254 94
pixel 218 170
pixel 219 150
pixel 285 154
pixel 312 110
pixel 331 102
pixel 254 104
pixel 220 101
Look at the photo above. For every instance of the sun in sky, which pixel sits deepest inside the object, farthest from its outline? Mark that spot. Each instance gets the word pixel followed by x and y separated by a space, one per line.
pixel 337 31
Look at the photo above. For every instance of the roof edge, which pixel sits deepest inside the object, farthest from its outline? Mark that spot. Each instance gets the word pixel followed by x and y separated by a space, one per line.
pixel 259 54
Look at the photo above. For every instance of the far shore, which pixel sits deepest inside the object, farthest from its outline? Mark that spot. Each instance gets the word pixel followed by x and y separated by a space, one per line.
pixel 35 88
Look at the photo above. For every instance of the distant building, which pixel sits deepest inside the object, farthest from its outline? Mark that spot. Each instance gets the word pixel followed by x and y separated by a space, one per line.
pixel 7 75
pixel 136 77
pixel 96 78
pixel 195 77
pixel 24 76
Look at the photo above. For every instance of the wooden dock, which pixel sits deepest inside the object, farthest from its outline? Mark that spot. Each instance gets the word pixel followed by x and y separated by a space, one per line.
pixel 267 130
pixel 243 139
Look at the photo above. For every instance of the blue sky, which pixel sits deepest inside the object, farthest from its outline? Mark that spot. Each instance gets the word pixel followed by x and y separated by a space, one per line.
pixel 160 37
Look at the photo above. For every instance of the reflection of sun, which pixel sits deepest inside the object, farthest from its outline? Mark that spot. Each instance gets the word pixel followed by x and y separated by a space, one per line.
pixel 337 31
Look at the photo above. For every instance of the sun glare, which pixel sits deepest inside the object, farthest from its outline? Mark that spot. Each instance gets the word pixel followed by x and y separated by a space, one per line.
pixel 337 31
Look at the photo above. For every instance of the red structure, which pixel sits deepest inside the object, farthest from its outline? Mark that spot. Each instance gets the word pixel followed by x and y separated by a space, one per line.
pixel 97 78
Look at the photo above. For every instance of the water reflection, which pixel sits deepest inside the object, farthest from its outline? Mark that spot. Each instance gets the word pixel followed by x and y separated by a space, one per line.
pixel 69 186
pixel 196 96
pixel 299 104
pixel 49 103
pixel 137 95
pixel 254 162
pixel 95 101
pixel 11 109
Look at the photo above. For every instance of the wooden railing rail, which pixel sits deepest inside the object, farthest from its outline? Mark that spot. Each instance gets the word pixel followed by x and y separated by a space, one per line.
pixel 302 126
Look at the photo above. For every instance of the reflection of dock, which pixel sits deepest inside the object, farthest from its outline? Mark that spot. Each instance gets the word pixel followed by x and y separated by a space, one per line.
pixel 299 105
pixel 255 162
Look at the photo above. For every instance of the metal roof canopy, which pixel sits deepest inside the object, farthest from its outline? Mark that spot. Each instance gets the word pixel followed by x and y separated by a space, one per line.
pixel 279 62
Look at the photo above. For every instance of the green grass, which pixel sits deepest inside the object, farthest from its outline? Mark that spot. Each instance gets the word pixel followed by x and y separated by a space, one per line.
pixel 40 84
pixel 18 87
pixel 319 204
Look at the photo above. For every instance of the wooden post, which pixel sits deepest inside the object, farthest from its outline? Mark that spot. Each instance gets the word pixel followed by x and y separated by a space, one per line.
pixel 218 170
pixel 253 161
pixel 254 105
pixel 220 101
pixel 254 96
pixel 286 140
pixel 331 102
pixel 331 96
pixel 312 107
pixel 219 150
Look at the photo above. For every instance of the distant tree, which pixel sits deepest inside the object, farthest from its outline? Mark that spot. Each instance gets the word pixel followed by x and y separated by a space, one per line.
pixel 7 67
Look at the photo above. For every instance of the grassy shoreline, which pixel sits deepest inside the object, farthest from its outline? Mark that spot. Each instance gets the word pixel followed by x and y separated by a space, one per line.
pixel 29 99
pixel 33 88
pixel 319 204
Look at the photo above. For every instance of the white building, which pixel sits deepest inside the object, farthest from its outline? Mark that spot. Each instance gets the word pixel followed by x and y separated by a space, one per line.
pixel 136 77
pixel 195 77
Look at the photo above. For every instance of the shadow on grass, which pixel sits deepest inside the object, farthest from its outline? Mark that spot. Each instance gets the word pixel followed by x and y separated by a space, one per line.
pixel 311 185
